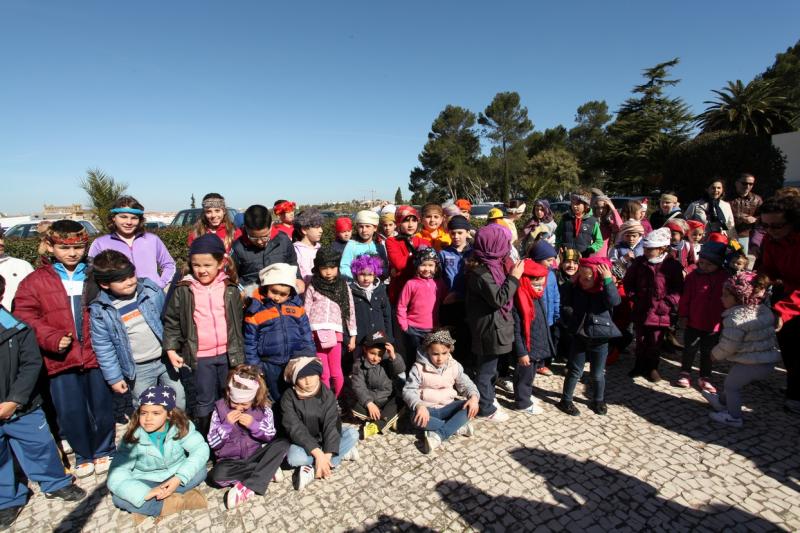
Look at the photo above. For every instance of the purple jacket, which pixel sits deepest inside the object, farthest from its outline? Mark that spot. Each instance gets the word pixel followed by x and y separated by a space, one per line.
pixel 148 254
pixel 655 290
pixel 232 441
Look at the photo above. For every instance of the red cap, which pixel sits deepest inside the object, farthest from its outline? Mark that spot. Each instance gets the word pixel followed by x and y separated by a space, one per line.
pixel 343 224
pixel 718 237
pixel 695 224
pixel 403 212
pixel 284 207
pixel 675 226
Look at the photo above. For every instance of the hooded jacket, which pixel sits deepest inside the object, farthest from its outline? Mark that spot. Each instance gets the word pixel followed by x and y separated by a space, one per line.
pixel 373 313
pixel 377 383
pixel 20 364
pixel 435 387
pixel 655 289
pixel 748 336
pixel 273 332
pixel 232 441
pixel 701 301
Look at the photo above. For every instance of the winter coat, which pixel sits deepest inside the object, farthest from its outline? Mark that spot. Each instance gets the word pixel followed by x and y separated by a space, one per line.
pixel 565 288
pixel 20 364
pixel 13 271
pixel 701 301
pixel 324 313
pixel 314 422
pixel 658 219
pixel 373 314
pixel 589 238
pixel 743 206
pixel 147 253
pixel 592 312
pixel 418 306
pixel 353 249
pixel 232 441
pixel 133 464
pixel 541 341
pixel 43 304
pixel 250 259
pixel 748 336
pixel 377 383
pixel 552 299
pixel 110 336
pixel 274 333
pixel 180 331
pixel 780 260
pixel 655 289
pixel 400 264
pixel 435 387
pixel 699 211
pixel 492 332
pixel 453 269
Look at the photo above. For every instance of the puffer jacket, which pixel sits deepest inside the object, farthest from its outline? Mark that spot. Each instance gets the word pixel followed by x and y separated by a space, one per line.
pixel 655 289
pixel 20 364
pixel 232 441
pixel 701 302
pixel 43 304
pixel 492 331
pixel 274 333
pixel 372 314
pixel 552 299
pixel 110 336
pixel 377 383
pixel 250 259
pixel 436 387
pixel 180 331
pixel 748 336
pixel 134 464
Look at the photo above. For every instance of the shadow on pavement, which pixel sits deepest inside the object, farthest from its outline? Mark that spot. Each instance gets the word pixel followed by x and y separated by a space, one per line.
pixel 391 523
pixel 77 519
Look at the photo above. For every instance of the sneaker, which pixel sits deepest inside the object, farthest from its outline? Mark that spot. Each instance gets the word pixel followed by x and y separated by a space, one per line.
pixel 713 400
pixel 65 447
pixel 352 454
pixel 390 424
pixel 9 515
pixel 705 385
pixel 369 429
pixel 568 407
pixel 302 477
pixel 498 416
pixel 84 470
pixel 544 371
pixel 278 476
pixel 534 408
pixel 684 380
pixel 70 493
pixel 723 417
pixel 101 465
pixel 599 408
pixel 237 495
pixel 432 441
pixel 506 384
pixel 466 430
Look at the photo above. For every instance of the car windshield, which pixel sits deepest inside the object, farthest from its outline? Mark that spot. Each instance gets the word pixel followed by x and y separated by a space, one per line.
pixel 480 210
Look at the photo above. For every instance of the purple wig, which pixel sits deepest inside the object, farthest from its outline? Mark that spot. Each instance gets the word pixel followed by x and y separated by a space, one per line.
pixel 367 262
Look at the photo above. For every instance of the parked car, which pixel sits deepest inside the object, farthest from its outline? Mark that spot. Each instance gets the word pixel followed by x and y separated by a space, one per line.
pixel 154 225
pixel 621 201
pixel 28 229
pixel 480 211
pixel 559 207
pixel 187 217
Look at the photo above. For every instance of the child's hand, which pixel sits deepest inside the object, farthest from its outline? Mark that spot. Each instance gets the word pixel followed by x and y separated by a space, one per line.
pixel 374 411
pixel 351 344
pixel 472 407
pixel 422 416
pixel 7 409
pixel 244 420
pixel 120 387
pixel 604 271
pixel 524 360
pixel 519 269
pixel 233 416
pixel 390 351
pixel 65 342
pixel 175 359
pixel 778 324
pixel 168 487
pixel 322 464
pixel 154 492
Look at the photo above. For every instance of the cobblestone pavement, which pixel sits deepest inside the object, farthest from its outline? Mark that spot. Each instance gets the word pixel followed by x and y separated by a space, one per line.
pixel 654 463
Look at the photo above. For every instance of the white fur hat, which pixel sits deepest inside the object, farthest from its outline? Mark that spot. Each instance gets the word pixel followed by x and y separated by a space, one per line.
pixel 657 238
pixel 278 274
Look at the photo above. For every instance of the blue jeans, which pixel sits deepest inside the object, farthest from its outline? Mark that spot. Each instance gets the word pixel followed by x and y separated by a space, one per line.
pixel 157 372
pixel 153 506
pixel 29 437
pixel 445 421
pixel 273 376
pixel 210 379
pixel 597 354
pixel 297 455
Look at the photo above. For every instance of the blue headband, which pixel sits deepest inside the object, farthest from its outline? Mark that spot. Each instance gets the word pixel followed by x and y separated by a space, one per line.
pixel 129 210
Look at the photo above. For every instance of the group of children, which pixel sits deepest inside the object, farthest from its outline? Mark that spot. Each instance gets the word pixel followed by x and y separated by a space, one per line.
pixel 263 331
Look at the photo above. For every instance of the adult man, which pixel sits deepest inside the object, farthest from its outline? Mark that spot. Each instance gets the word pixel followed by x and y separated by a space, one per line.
pixel 744 207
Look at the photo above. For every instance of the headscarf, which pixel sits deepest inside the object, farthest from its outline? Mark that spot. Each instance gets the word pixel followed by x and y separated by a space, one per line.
pixel 534 222
pixel 464 205
pixel 593 263
pixel 659 238
pixel 343 224
pixel 336 289
pixel 491 247
pixel 242 389
pixel 740 285
pixel 526 295
pixel 570 254
pixel 284 207
pixel 158 395
pixel 403 212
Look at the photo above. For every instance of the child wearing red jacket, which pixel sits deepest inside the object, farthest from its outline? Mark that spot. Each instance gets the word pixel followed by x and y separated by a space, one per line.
pixel 400 249
pixel 700 312
pixel 51 300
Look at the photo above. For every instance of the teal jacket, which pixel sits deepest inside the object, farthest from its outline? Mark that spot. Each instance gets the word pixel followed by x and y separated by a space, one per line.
pixel 135 463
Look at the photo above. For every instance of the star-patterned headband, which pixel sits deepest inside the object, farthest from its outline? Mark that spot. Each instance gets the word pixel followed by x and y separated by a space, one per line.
pixel 158 395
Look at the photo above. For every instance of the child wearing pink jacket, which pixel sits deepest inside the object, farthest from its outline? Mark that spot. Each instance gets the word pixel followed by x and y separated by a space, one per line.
pixel 418 306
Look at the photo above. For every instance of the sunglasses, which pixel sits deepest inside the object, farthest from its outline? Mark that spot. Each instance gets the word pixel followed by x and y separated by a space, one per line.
pixel 258 239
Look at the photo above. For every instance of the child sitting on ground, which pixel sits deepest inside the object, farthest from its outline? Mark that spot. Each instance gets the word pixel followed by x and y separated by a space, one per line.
pixel 344 230
pixel 376 383
pixel 373 311
pixel 160 460
pixel 748 341
pixel 275 326
pixel 242 436
pixel 284 210
pixel 430 392
pixel 311 419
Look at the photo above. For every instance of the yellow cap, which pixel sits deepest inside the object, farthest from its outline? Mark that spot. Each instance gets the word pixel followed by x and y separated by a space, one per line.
pixel 494 213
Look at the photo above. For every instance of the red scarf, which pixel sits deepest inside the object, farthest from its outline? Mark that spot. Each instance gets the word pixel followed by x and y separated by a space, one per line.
pixel 526 295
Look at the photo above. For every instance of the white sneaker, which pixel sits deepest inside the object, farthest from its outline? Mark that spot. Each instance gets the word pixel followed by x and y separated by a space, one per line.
pixel 498 416
pixel 432 441
pixel 302 477
pixel 533 408
pixel 713 400
pixel 352 454
pixel 278 477
pixel 65 446
pixel 84 470
pixel 466 430
pixel 102 465
pixel 506 384
pixel 723 417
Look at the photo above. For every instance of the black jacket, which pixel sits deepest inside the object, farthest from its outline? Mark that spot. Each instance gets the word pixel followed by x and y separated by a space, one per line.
pixel 541 342
pixel 20 364
pixel 313 422
pixel 592 312
pixel 492 332
pixel 250 259
pixel 377 383
pixel 374 314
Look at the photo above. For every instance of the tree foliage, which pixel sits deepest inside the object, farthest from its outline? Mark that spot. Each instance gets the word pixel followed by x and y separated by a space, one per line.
pixel 398 197
pixel 785 72
pixel 505 122
pixel 587 139
pixel 449 159
pixel 551 172
pixel 103 190
pixel 548 139
pixel 758 108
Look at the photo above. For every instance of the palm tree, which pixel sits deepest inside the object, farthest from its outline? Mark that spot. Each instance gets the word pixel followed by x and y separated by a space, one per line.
pixel 103 190
pixel 757 108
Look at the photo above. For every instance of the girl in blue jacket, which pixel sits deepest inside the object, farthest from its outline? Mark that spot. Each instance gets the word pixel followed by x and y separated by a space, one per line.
pixel 160 460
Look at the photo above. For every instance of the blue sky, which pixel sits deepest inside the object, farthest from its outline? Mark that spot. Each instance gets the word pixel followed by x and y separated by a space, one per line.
pixel 321 101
